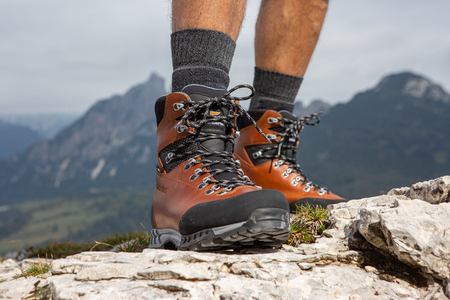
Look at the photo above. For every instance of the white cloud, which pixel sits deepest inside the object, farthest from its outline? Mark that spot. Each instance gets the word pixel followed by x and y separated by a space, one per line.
pixel 65 55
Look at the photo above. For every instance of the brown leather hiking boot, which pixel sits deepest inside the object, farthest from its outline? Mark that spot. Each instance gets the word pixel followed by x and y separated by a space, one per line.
pixel 202 199
pixel 274 165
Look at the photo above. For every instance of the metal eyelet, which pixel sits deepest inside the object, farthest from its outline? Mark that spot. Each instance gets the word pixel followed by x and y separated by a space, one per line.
pixel 278 163
pixel 271 137
pixel 201 186
pixel 177 106
pixel 287 172
pixel 257 154
pixel 308 187
pixel 271 120
pixel 238 162
pixel 206 179
pixel 169 157
pixel 296 180
pixel 195 175
pixel 237 134
pixel 322 191
pixel 212 190
pixel 181 128
pixel 224 191
pixel 189 164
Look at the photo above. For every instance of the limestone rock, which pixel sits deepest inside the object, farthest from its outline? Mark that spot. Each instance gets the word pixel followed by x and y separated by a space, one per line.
pixel 415 232
pixel 183 274
pixel 8 268
pixel 434 191
pixel 19 288
pixel 373 250
pixel 345 216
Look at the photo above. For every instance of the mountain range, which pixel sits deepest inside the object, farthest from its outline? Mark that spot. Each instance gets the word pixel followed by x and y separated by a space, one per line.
pixel 392 135
pixel 111 146
pixel 46 124
pixel 15 138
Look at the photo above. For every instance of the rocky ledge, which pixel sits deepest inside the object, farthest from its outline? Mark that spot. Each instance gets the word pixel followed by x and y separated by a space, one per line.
pixel 394 246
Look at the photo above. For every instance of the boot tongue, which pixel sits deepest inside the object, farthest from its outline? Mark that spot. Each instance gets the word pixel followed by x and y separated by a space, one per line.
pixel 288 115
pixel 198 92
pixel 289 140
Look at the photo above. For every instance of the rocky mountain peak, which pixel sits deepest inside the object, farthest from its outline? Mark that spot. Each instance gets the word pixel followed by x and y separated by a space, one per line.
pixel 112 138
pixel 315 106
pixel 414 85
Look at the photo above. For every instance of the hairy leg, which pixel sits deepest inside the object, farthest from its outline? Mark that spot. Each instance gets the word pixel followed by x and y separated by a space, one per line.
pixel 287 32
pixel 225 15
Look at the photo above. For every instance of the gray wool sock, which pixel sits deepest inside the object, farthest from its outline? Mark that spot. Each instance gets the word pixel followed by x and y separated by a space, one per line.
pixel 201 56
pixel 274 90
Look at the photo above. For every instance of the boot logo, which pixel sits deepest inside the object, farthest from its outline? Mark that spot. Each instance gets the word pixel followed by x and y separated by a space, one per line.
pixel 161 188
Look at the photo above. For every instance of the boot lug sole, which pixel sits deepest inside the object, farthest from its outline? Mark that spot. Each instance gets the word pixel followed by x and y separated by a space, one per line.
pixel 265 227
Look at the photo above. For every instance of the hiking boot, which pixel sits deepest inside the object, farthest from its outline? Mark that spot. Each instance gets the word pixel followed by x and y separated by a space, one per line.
pixel 274 165
pixel 202 199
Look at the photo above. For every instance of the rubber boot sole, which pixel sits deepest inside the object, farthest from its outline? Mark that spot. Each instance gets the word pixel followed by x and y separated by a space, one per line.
pixel 265 227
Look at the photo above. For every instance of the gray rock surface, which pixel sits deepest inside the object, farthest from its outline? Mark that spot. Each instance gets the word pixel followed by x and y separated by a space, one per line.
pixel 413 231
pixel 434 191
pixel 385 247
pixel 284 274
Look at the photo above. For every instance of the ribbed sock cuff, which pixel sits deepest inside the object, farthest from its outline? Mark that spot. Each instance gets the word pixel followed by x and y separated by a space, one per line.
pixel 211 77
pixel 274 90
pixel 201 56
pixel 202 47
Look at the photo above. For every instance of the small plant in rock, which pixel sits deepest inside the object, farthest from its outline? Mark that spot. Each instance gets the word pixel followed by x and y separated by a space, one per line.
pixel 308 222
pixel 41 292
pixel 34 269
pixel 135 244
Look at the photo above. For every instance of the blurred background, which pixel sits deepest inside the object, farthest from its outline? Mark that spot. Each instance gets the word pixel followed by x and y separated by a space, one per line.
pixel 78 81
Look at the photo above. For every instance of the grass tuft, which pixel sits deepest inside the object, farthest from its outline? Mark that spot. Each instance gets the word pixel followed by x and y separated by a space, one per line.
pixel 40 292
pixel 308 222
pixel 136 244
pixel 34 269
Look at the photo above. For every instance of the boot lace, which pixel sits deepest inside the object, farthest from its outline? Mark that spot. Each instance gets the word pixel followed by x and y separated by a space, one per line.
pixel 215 163
pixel 287 140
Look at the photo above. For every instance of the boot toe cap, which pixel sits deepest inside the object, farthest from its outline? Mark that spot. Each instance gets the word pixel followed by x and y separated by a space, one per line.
pixel 230 210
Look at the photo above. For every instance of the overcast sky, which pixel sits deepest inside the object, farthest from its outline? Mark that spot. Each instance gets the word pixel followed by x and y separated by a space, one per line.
pixel 63 56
